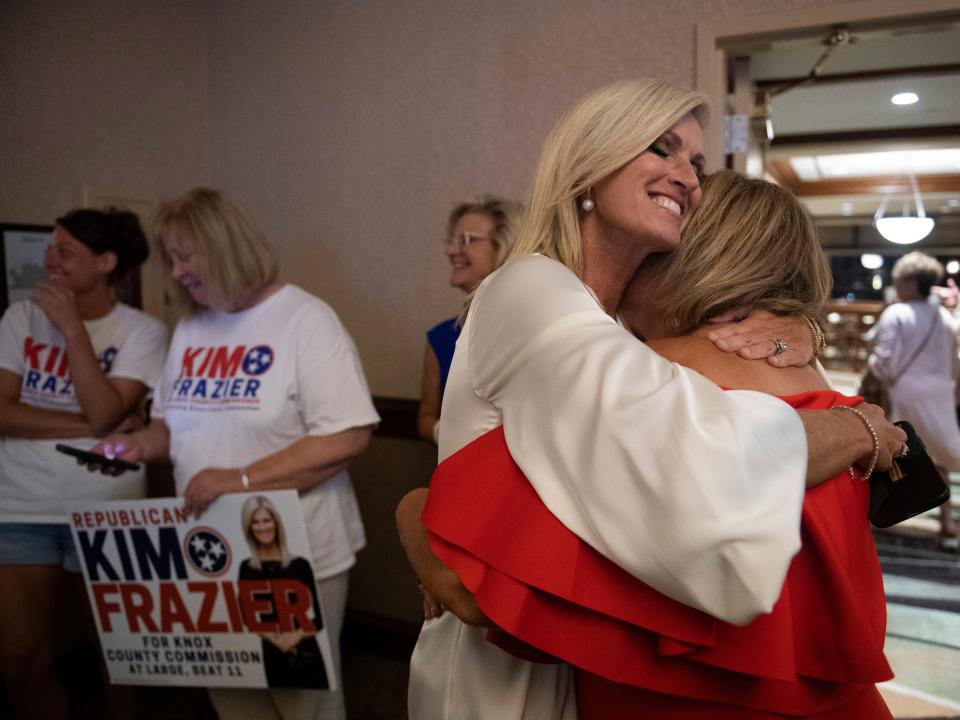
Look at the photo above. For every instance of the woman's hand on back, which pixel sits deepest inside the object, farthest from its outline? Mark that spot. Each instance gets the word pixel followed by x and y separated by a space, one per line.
pixel 754 338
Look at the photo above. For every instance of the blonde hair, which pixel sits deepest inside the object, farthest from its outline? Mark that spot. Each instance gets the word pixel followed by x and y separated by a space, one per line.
pixel 749 244
pixel 233 253
pixel 923 268
pixel 252 505
pixel 602 133
pixel 503 212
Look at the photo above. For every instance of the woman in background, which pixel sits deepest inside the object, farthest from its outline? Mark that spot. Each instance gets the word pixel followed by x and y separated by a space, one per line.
pixel 291 658
pixel 480 235
pixel 914 354
pixel 74 363
pixel 262 390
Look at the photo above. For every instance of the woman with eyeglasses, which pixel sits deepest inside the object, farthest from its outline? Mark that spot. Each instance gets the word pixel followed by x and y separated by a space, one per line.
pixel 479 238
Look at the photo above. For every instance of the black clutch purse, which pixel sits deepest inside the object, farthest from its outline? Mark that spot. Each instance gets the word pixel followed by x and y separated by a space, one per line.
pixel 913 488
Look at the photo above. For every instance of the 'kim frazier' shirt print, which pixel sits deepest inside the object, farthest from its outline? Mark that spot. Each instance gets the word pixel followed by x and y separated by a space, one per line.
pixel 217 378
pixel 46 381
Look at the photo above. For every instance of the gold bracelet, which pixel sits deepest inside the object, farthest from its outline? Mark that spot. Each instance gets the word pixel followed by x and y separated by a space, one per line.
pixel 873 435
pixel 819 339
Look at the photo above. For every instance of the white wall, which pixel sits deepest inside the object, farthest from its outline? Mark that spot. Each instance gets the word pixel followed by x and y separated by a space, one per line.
pixel 103 94
pixel 351 127
pixel 348 126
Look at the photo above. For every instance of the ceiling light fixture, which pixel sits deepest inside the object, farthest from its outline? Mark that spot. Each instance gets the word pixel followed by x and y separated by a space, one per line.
pixel 906 229
pixel 905 98
pixel 871 261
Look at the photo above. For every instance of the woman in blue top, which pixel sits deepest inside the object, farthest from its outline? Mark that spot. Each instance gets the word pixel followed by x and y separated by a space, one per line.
pixel 479 238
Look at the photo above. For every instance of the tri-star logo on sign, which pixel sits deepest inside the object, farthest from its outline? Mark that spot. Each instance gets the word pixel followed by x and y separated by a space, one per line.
pixel 228 600
pixel 221 377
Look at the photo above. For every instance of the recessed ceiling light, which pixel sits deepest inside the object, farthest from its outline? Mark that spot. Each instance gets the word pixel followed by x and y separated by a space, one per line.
pixel 953 267
pixel 905 98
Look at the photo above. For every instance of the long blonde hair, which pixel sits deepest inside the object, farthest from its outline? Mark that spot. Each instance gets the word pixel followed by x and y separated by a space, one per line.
pixel 750 244
pixel 234 255
pixel 603 132
pixel 250 506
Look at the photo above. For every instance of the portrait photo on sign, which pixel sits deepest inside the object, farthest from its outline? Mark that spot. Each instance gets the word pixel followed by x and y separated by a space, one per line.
pixel 226 600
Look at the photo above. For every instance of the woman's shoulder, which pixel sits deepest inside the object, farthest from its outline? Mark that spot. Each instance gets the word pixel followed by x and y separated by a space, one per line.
pixel 444 333
pixel 898 310
pixel 731 371
pixel 139 318
pixel 450 325
pixel 20 311
pixel 534 268
pixel 296 303
pixel 535 287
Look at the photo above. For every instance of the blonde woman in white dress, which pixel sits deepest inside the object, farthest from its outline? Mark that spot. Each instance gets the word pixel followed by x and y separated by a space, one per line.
pixel 915 354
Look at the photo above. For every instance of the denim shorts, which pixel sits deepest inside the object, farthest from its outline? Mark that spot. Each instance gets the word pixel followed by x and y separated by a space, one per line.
pixel 38 544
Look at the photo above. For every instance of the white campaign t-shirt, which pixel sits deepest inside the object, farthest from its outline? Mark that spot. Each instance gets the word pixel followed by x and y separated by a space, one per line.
pixel 243 385
pixel 37 483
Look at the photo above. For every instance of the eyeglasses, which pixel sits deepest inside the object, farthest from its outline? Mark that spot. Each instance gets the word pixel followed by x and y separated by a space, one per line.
pixel 463 240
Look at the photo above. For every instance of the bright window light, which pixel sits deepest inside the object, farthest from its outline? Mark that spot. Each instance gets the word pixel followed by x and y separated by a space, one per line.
pixel 904 98
pixel 811 168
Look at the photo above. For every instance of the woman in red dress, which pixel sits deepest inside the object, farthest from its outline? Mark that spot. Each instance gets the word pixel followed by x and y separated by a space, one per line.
pixel 819 652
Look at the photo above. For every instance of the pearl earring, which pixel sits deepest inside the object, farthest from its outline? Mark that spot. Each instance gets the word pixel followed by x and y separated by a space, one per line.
pixel 587 203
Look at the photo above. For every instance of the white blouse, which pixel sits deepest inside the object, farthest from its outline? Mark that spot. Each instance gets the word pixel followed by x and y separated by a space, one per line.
pixel 694 490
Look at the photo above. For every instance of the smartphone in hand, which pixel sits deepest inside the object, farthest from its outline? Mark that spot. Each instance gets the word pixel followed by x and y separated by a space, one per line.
pixel 92 458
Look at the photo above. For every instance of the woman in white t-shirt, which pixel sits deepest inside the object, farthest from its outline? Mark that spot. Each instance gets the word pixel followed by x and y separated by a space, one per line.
pixel 262 390
pixel 74 363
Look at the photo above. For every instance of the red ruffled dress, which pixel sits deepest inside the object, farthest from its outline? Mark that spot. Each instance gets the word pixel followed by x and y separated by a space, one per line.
pixel 638 653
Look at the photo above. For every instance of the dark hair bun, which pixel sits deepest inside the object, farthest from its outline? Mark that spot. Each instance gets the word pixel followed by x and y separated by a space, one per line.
pixel 110 230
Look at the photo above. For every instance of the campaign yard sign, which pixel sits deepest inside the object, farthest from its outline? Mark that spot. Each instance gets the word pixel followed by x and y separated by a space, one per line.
pixel 226 600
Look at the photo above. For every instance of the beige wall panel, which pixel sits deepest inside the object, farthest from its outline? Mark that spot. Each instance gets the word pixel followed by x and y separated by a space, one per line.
pixel 351 127
pixel 101 94
pixel 382 582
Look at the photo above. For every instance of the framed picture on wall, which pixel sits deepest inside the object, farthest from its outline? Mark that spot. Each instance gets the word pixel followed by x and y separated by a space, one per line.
pixel 22 259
